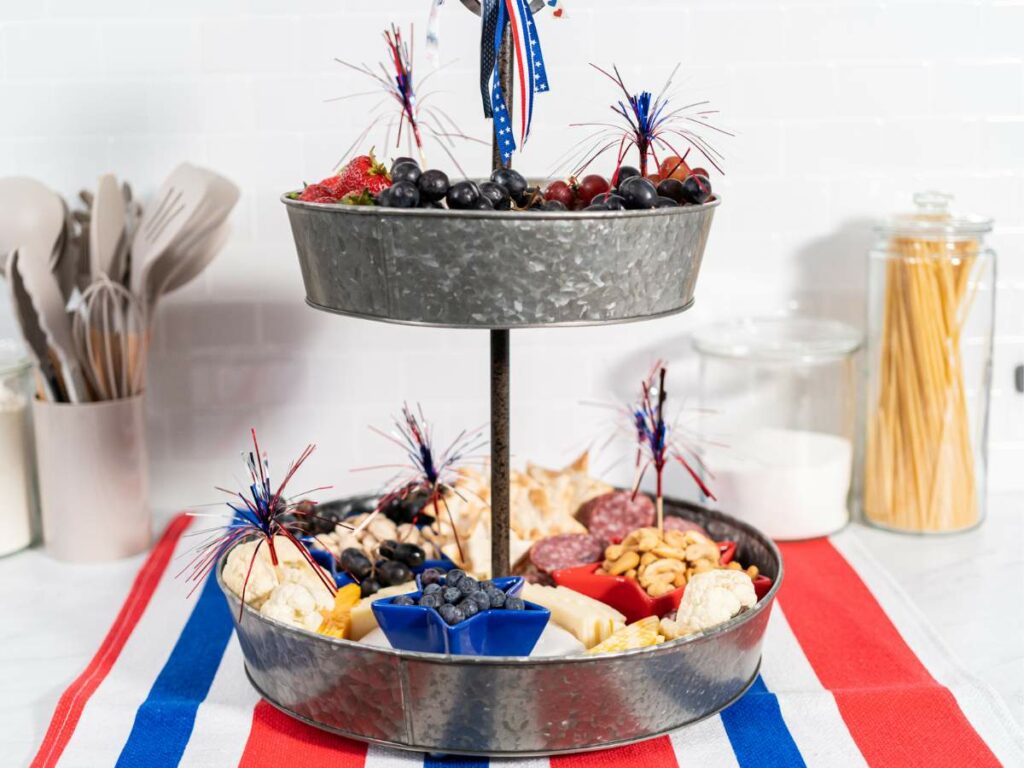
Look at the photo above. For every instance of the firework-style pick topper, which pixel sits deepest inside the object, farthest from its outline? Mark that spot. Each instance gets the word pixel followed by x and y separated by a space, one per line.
pixel 528 69
pixel 427 472
pixel 656 446
pixel 263 513
pixel 650 126
pixel 416 117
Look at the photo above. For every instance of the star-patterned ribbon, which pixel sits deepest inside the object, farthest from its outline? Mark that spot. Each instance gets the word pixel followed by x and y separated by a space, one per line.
pixel 528 68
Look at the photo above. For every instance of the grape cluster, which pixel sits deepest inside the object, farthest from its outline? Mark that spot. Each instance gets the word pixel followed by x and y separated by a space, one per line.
pixel 458 596
pixel 397 559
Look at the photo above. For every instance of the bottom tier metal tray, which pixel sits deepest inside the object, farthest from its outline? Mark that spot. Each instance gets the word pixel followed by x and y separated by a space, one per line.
pixel 513 706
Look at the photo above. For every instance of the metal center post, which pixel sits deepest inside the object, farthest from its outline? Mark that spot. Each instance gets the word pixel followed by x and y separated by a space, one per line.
pixel 500 405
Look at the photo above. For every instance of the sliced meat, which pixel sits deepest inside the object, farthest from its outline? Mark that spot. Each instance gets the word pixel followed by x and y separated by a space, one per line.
pixel 565 551
pixel 615 515
pixel 535 576
pixel 676 523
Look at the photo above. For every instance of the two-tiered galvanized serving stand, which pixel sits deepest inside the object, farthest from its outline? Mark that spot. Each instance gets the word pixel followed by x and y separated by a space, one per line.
pixel 500 270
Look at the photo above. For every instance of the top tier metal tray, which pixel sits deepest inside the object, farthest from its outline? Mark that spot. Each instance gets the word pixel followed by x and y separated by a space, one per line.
pixel 499 269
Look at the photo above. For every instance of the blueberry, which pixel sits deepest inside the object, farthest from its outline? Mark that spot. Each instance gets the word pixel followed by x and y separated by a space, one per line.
pixel 387 548
pixel 431 588
pixel 497 598
pixel 462 195
pixel 497 194
pixel 596 207
pixel 467 585
pixel 400 160
pixel 451 594
pixel 696 189
pixel 433 600
pixel 615 203
pixel 469 608
pixel 672 188
pixel 431 576
pixel 665 202
pixel 483 204
pixel 482 600
pixel 513 181
pixel 486 585
pixel 403 600
pixel 369 587
pixel 451 614
pixel 405 171
pixel 638 192
pixel 392 572
pixel 403 194
pixel 514 604
pixel 382 198
pixel 433 185
pixel 626 172
pixel 455 575
pixel 410 554
pixel 432 206
pixel 355 562
pixel 555 205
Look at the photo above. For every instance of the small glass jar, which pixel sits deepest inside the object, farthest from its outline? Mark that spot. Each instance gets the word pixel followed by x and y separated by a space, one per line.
pixel 17 475
pixel 931 314
pixel 777 423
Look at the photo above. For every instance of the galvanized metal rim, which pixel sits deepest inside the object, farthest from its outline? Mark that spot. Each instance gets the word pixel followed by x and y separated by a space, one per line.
pixel 441 658
pixel 373 210
pixel 541 753
pixel 509 326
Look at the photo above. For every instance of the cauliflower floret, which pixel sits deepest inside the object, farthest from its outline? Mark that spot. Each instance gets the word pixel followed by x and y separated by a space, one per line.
pixel 711 598
pixel 294 604
pixel 263 578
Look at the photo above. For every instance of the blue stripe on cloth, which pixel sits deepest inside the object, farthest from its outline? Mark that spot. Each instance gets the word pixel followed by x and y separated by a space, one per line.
pixel 436 761
pixel 757 732
pixel 164 721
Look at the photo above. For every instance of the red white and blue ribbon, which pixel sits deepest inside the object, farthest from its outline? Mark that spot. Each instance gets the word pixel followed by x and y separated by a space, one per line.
pixel 528 69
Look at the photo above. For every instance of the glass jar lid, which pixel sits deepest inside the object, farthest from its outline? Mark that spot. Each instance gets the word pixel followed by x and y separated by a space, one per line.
pixel 13 358
pixel 934 219
pixel 800 340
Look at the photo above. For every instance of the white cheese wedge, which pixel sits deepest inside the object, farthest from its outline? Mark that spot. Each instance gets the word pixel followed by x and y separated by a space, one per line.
pixel 589 620
pixel 363 620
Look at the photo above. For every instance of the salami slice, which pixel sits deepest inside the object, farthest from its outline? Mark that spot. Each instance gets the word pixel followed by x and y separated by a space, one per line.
pixel 676 523
pixel 615 515
pixel 566 551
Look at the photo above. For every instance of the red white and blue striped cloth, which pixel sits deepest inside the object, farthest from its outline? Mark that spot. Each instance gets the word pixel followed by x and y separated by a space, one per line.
pixel 851 676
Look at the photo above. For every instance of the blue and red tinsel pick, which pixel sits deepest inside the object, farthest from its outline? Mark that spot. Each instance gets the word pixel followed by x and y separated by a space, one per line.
pixel 428 472
pixel 655 444
pixel 263 512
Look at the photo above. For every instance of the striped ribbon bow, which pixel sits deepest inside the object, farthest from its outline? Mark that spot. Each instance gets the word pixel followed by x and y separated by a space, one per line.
pixel 528 68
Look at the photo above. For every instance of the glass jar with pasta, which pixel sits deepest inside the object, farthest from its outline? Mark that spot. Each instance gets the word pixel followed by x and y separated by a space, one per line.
pixel 930 322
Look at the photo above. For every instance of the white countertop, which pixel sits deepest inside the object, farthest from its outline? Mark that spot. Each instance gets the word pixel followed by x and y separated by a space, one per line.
pixel 969 586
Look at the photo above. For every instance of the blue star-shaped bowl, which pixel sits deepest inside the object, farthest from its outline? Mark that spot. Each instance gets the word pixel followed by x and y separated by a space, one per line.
pixel 494 632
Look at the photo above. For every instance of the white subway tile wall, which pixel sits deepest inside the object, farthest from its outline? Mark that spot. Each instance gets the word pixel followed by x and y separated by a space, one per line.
pixel 841 109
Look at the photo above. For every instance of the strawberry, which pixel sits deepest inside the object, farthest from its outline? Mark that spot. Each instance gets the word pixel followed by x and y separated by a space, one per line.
pixel 317 193
pixel 362 173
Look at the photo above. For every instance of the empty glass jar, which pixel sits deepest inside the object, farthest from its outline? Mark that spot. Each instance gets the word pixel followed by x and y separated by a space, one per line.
pixel 778 421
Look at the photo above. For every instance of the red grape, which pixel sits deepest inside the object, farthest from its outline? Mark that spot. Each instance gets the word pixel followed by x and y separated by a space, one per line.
pixel 560 191
pixel 590 186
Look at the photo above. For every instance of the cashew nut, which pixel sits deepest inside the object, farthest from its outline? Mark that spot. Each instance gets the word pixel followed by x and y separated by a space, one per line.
pixel 628 561
pixel 663 570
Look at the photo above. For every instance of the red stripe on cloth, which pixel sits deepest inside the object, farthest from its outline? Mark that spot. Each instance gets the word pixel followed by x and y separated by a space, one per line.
pixel 72 702
pixel 276 739
pixel 656 753
pixel 896 711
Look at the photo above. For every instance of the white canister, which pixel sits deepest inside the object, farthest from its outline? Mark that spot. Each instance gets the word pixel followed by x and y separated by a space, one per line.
pixel 17 478
pixel 778 421
pixel 93 479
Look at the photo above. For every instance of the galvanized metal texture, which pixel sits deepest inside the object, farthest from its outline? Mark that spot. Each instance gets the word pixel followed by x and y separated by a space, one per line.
pixel 493 269
pixel 510 705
